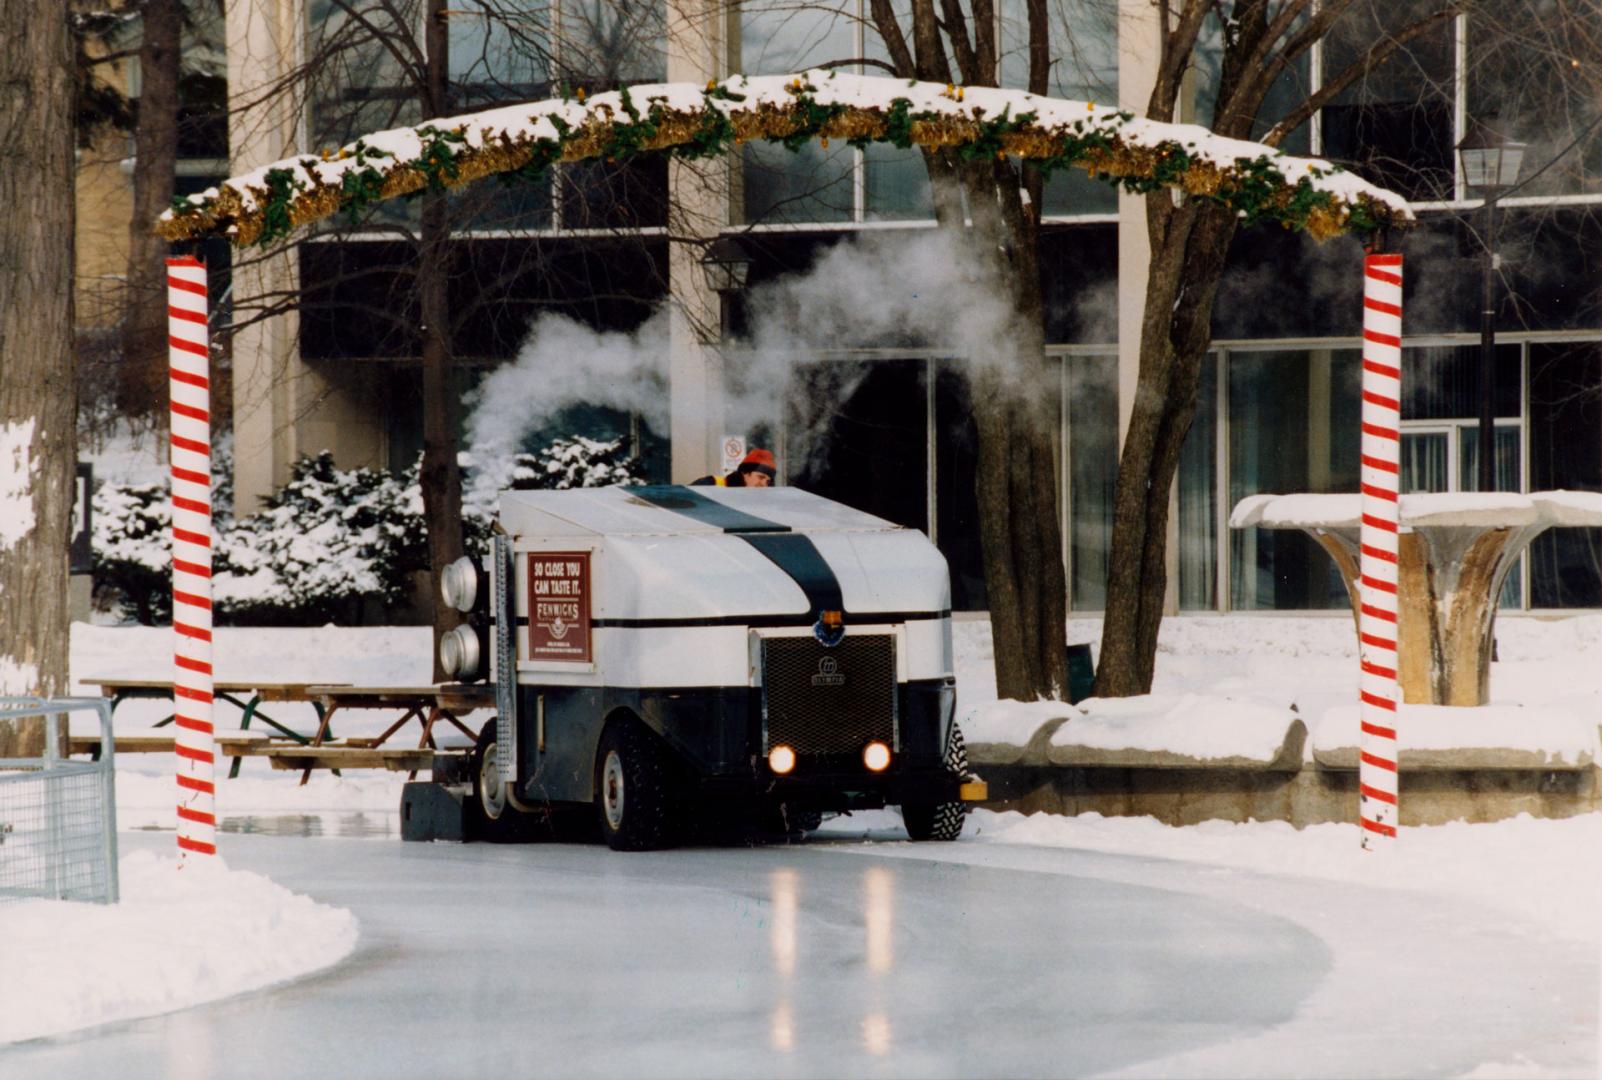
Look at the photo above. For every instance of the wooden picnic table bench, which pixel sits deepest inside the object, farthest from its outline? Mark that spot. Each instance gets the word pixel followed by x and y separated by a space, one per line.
pixel 290 749
pixel 234 692
pixel 427 704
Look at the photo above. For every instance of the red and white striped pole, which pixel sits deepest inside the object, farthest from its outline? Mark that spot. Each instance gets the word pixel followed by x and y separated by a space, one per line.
pixel 1377 562
pixel 189 367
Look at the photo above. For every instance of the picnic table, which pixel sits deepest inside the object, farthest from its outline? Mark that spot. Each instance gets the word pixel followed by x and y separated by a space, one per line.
pixel 286 748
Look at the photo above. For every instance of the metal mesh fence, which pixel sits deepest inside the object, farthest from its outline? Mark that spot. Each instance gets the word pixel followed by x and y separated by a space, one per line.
pixel 58 818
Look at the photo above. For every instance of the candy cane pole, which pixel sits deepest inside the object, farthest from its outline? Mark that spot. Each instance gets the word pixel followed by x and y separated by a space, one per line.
pixel 189 354
pixel 1377 560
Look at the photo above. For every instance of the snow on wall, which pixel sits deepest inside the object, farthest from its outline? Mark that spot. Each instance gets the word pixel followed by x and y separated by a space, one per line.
pixel 17 470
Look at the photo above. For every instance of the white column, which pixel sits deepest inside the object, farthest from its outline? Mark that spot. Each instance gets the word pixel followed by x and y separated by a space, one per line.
pixel 702 44
pixel 264 45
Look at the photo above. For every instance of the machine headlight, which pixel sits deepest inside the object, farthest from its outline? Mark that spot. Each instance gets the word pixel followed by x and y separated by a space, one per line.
pixel 459 652
pixel 781 759
pixel 458 584
pixel 876 756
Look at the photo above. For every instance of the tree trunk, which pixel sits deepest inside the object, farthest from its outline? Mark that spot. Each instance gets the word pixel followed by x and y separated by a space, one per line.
pixel 38 408
pixel 441 478
pixel 1189 246
pixel 142 381
pixel 1016 475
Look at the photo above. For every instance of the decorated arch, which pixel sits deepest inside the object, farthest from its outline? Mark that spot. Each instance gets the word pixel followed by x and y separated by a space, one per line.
pixel 688 121
pixel 519 142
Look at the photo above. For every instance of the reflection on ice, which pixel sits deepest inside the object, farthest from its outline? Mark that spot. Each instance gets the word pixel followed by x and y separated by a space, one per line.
pixel 876 1033
pixel 879 894
pixel 349 826
pixel 784 908
pixel 783 1026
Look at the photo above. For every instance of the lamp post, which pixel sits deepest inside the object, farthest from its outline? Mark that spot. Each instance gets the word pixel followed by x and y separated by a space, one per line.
pixel 1490 163
pixel 727 265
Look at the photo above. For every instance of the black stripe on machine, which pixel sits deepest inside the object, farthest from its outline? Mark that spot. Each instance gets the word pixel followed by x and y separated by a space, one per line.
pixel 760 622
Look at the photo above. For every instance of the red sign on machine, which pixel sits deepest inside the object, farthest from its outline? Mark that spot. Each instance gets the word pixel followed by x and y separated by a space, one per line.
pixel 559 606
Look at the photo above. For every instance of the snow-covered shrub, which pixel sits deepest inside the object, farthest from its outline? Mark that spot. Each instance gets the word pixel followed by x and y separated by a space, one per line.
pixel 323 545
pixel 132 556
pixel 327 545
pixel 571 462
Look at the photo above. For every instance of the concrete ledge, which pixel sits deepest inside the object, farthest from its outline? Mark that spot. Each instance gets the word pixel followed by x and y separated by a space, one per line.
pixel 1461 759
pixel 1311 796
pixel 1034 752
pixel 1288 758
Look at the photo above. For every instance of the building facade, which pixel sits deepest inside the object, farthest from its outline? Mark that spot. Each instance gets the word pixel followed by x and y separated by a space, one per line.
pixel 883 424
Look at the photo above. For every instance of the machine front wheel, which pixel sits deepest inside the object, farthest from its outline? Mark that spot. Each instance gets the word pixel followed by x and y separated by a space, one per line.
pixel 940 821
pixel 635 790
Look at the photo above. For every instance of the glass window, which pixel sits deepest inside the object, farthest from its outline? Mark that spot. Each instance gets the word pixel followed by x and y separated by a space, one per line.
pixel 1531 78
pixel 1093 468
pixel 499 58
pixel 1293 427
pixel 957 504
pixel 602 45
pixel 1084 66
pixel 1394 125
pixel 1198 499
pixel 1566 452
pixel 858 434
pixel 813 184
pixel 1443 382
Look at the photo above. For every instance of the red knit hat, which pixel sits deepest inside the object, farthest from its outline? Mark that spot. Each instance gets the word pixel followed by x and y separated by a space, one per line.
pixel 759 460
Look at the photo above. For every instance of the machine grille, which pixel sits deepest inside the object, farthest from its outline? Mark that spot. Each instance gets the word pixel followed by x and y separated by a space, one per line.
pixel 826 701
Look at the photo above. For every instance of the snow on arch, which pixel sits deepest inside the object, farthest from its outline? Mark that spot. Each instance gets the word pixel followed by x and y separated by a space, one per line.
pixel 702 121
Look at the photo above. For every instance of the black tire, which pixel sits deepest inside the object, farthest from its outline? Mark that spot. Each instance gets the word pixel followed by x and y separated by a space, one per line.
pixel 940 821
pixel 490 816
pixel 636 789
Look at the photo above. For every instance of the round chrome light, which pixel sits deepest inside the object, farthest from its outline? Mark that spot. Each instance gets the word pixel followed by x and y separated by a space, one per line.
pixel 781 759
pixel 459 652
pixel 458 584
pixel 876 756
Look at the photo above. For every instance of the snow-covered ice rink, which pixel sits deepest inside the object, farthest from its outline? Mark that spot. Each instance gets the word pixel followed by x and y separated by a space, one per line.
pixel 1036 946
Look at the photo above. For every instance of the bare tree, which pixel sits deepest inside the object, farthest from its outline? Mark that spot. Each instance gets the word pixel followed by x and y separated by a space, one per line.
pixel 375 65
pixel 37 399
pixel 997 201
pixel 1258 42
pixel 142 385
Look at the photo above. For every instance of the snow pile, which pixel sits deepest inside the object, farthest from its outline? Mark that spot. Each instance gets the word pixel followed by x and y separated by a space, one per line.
pixel 1554 736
pixel 177 939
pixel 1191 725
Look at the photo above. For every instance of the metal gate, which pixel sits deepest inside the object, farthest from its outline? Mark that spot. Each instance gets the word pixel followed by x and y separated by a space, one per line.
pixel 58 817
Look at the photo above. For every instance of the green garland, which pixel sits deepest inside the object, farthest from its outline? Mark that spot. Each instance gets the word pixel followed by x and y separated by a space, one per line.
pixel 1254 187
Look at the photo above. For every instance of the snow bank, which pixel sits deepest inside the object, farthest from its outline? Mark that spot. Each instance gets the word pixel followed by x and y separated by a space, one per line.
pixel 177 939
pixel 1546 871
pixel 1191 725
pixel 1556 736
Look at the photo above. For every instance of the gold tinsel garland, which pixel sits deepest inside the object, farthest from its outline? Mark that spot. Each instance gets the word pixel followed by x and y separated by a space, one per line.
pixel 1118 158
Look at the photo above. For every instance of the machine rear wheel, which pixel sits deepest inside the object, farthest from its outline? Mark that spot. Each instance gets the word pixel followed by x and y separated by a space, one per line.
pixel 491 818
pixel 940 821
pixel 636 790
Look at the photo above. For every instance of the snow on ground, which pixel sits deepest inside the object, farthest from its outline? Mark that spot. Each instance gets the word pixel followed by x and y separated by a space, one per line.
pixel 178 938
pixel 244 932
